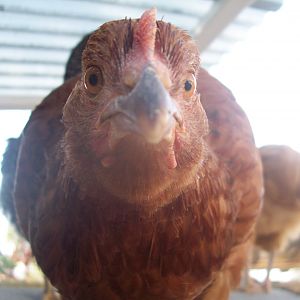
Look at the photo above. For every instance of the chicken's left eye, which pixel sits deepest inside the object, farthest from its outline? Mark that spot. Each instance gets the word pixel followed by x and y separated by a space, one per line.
pixel 93 80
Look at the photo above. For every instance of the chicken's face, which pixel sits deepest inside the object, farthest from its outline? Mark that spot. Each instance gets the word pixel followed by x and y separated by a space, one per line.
pixel 134 122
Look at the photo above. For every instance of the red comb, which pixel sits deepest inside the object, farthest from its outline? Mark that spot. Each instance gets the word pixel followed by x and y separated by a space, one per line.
pixel 144 33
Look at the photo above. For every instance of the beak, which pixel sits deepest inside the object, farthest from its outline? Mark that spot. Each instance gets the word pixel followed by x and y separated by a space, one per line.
pixel 147 110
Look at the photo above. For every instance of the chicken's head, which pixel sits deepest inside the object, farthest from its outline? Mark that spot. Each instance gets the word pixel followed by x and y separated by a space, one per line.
pixel 134 121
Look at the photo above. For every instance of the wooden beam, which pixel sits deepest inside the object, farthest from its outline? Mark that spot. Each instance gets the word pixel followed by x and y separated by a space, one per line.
pixel 24 68
pixel 75 17
pixel 31 54
pixel 19 102
pixel 221 15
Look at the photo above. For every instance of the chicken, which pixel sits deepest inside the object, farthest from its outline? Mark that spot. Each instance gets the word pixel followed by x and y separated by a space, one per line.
pixel 127 185
pixel 280 218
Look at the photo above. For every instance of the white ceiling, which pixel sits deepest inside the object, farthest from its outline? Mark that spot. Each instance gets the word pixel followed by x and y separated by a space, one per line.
pixel 36 36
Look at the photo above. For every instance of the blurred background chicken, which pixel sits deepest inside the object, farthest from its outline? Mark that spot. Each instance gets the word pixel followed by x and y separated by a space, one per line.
pixel 279 221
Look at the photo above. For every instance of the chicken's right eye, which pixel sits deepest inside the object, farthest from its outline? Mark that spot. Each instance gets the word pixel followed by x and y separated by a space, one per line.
pixel 189 86
pixel 93 80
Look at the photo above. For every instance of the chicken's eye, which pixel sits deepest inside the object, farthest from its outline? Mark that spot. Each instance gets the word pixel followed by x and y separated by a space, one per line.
pixel 93 80
pixel 189 86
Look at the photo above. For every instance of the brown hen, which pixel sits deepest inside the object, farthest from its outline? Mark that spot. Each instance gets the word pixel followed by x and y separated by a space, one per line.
pixel 279 221
pixel 130 187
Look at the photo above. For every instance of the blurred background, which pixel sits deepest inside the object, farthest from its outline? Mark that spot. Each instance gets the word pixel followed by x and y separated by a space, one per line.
pixel 253 47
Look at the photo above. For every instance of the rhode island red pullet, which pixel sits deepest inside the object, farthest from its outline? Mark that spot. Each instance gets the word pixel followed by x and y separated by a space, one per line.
pixel 139 178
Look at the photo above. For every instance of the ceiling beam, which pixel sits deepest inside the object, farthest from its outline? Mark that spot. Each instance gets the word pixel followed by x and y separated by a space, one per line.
pixel 18 102
pixel 221 15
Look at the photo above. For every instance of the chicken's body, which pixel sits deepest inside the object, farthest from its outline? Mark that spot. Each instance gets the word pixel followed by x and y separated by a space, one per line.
pixel 157 227
pixel 280 215
pixel 279 221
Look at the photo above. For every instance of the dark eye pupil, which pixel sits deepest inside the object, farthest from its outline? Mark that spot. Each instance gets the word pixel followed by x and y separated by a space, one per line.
pixel 188 85
pixel 93 79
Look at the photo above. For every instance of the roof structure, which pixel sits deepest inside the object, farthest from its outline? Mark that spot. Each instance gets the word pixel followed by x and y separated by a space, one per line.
pixel 36 36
